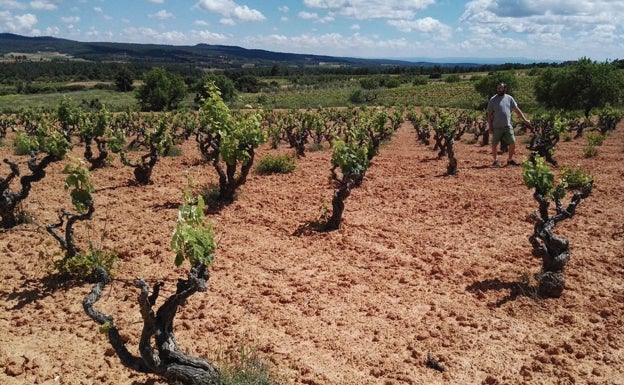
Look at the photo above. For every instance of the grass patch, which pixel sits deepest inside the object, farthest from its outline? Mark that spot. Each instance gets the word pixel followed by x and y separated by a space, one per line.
pixel 245 367
pixel 575 177
pixel 595 139
pixel 276 164
pixel 590 151
pixel 114 101
pixel 174 151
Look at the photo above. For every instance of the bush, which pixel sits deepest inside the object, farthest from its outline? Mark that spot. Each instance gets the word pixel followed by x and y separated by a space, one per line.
pixel 24 144
pixel 590 151
pixel 72 88
pixel 575 177
pixel 245 369
pixel 452 79
pixel 280 164
pixel 105 86
pixel 357 96
pixel 595 139
pixel 83 265
pixel 420 81
pixel 391 83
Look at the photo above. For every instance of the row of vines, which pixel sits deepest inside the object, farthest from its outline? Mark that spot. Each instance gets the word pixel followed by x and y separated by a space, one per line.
pixel 227 140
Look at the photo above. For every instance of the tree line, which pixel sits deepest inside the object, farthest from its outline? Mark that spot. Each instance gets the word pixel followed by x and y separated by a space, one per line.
pixel 17 75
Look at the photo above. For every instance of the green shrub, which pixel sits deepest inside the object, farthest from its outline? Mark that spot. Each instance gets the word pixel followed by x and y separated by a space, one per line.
pixel 174 151
pixel 83 265
pixel 574 177
pixel 452 78
pixel 595 139
pixel 420 81
pixel 590 151
pixel 280 164
pixel 536 174
pixel 245 369
pixel 192 240
pixel 357 96
pixel 210 192
pixel 25 143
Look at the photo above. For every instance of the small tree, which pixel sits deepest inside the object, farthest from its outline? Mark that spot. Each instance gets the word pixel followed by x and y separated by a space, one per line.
pixel 78 263
pixel 69 116
pixel 608 118
pixel 349 164
pixel 157 140
pixel 124 79
pixel 486 86
pixel 223 83
pixel 95 128
pixel 160 90
pixel 48 141
pixel 546 131
pixel 160 354
pixel 352 156
pixel 447 129
pixel 554 250
pixel 248 83
pixel 584 85
pixel 291 125
pixel 228 141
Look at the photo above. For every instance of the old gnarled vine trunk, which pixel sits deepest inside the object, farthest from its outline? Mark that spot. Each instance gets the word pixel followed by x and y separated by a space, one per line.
pixel 10 200
pixel 164 358
pixel 554 250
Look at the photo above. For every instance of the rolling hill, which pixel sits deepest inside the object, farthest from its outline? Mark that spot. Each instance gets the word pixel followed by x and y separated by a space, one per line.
pixel 218 56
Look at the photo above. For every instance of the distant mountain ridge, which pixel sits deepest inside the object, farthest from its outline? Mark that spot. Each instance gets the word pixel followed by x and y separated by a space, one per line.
pixel 218 56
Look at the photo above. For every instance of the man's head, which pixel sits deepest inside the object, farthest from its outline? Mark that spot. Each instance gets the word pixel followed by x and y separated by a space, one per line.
pixel 501 88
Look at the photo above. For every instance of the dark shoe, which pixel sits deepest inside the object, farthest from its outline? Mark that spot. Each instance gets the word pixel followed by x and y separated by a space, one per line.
pixel 496 164
pixel 512 162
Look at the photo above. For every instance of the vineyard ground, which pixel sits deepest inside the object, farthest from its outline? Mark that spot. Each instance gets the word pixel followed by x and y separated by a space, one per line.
pixel 425 264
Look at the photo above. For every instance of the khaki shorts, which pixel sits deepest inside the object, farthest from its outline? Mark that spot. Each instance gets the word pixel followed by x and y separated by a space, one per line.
pixel 504 134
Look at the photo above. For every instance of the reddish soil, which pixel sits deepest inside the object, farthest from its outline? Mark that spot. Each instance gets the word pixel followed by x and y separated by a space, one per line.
pixel 424 264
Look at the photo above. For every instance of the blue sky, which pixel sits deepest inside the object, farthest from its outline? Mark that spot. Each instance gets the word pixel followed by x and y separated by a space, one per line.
pixel 533 29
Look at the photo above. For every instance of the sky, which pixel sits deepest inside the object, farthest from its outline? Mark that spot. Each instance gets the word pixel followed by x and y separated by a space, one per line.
pixel 538 30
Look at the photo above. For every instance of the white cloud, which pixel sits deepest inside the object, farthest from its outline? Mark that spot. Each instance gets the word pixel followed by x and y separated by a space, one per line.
pixel 209 37
pixel 156 1
pixel 314 16
pixel 43 5
pixel 547 28
pixel 161 15
pixel 227 21
pixel 308 15
pixel 12 4
pixel 333 44
pixel 543 15
pixel 172 37
pixel 229 9
pixel 20 23
pixel 426 25
pixel 148 34
pixel 70 19
pixel 372 9
pixel 246 14
pixel 52 31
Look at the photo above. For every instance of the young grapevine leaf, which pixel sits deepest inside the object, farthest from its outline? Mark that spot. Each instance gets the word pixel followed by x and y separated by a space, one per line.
pixel 192 239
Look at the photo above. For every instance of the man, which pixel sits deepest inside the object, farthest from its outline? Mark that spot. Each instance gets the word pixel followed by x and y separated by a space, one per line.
pixel 499 122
